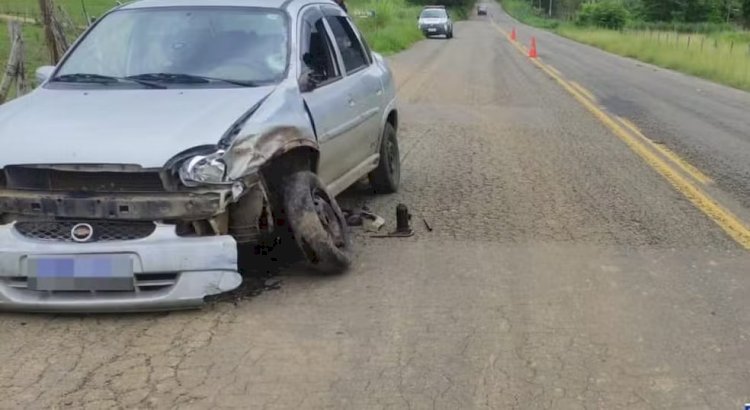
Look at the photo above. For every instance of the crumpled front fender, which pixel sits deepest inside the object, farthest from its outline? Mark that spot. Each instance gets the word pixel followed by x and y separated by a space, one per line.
pixel 279 125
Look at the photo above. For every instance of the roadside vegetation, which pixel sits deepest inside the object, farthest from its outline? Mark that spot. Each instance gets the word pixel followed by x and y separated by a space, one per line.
pixel 709 39
pixel 391 25
pixel 388 25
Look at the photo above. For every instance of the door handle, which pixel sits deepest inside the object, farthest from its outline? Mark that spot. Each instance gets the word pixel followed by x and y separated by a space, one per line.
pixel 352 103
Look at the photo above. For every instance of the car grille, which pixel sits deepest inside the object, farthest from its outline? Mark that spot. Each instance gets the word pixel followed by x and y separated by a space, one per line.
pixel 45 179
pixel 142 282
pixel 103 231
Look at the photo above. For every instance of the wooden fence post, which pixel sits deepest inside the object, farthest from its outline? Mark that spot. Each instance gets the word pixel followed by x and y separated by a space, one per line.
pixel 53 31
pixel 12 72
pixel 22 82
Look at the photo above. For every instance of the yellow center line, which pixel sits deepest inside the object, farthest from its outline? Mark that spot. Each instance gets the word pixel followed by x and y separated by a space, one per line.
pixel 690 169
pixel 726 220
pixel 579 88
pixel 557 72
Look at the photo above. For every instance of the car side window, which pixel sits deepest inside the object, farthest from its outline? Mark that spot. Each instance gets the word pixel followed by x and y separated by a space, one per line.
pixel 318 58
pixel 352 51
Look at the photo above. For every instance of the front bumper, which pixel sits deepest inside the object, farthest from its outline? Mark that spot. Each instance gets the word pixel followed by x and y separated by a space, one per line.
pixel 170 272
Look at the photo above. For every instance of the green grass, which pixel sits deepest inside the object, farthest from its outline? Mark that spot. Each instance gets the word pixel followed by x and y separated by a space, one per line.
pixel 30 8
pixel 36 52
pixel 722 57
pixel 708 56
pixel 393 27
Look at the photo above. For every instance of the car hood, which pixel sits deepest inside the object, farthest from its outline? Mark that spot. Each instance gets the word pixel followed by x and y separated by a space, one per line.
pixel 142 127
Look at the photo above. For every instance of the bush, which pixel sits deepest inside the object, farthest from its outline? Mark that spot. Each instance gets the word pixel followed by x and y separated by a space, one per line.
pixel 608 14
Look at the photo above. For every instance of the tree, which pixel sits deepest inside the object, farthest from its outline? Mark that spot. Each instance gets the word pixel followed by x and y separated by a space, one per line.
pixel 746 12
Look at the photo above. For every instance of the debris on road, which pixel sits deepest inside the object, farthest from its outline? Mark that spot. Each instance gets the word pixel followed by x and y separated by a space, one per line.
pixel 364 218
pixel 427 225
pixel 403 228
pixel 373 222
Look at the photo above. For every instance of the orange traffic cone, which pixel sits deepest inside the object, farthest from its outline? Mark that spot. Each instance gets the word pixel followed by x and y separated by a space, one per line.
pixel 532 50
pixel 513 34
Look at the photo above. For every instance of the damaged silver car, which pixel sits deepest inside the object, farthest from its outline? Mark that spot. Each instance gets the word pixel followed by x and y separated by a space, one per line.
pixel 176 131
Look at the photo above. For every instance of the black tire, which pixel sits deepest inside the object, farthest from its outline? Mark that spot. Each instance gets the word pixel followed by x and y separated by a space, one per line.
pixel 385 179
pixel 450 34
pixel 316 222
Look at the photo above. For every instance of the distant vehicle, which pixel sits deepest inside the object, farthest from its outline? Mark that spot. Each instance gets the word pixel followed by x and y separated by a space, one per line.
pixel 435 21
pixel 482 10
pixel 177 134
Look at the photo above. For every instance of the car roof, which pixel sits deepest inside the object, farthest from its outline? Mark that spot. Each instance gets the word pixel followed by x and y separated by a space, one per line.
pixel 434 7
pixel 220 3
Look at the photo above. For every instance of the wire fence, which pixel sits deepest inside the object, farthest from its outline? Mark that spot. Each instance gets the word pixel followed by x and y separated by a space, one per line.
pixel 29 14
pixel 700 42
pixel 722 58
pixel 33 29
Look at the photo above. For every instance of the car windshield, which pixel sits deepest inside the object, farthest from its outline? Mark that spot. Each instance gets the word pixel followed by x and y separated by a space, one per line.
pixel 241 45
pixel 433 14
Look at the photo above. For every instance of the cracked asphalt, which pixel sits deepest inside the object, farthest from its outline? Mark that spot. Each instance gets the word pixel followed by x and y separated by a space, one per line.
pixel 561 272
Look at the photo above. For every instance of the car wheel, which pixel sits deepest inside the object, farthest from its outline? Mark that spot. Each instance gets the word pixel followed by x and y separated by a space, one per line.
pixel 450 34
pixel 316 222
pixel 386 178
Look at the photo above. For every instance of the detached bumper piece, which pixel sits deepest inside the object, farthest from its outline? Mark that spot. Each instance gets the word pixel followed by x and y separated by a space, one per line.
pixel 161 271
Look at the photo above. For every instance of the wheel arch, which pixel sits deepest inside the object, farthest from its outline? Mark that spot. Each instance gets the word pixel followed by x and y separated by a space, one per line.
pixel 392 118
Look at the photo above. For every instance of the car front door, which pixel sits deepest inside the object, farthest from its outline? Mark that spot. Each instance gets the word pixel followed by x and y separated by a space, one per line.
pixel 364 78
pixel 327 96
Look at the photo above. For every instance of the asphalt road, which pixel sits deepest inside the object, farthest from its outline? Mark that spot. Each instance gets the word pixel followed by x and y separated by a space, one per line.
pixel 562 271
pixel 706 123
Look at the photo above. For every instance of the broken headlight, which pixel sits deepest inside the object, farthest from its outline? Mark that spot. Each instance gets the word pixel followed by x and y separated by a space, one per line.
pixel 204 169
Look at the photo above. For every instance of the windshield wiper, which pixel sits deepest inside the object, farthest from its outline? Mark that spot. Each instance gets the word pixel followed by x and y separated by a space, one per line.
pixel 102 79
pixel 179 78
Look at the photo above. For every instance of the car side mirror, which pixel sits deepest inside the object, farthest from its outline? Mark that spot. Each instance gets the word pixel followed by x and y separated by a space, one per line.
pixel 44 73
pixel 307 82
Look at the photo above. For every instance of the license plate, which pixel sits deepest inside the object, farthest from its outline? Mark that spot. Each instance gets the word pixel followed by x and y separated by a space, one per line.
pixel 431 29
pixel 80 273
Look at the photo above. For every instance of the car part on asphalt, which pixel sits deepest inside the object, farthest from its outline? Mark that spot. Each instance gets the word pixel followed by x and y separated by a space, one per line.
pixel 353 218
pixel 403 227
pixel 364 218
